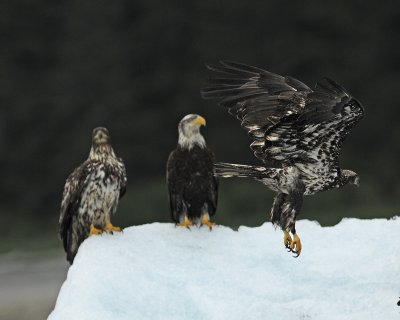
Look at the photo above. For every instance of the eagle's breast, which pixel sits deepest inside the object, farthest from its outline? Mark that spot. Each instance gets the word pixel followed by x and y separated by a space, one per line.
pixel 100 198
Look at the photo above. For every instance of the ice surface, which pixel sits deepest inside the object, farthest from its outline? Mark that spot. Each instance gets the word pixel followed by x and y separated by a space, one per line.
pixel 158 271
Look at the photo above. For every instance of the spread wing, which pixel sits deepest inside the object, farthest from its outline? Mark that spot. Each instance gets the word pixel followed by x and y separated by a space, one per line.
pixel 256 97
pixel 288 122
pixel 316 135
pixel 75 184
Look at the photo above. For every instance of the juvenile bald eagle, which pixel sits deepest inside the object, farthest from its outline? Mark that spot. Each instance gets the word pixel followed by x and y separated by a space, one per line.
pixel 193 189
pixel 91 194
pixel 296 130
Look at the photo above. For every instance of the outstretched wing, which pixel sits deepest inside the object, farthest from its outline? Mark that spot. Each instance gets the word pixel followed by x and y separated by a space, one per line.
pixel 316 135
pixel 289 122
pixel 73 188
pixel 258 98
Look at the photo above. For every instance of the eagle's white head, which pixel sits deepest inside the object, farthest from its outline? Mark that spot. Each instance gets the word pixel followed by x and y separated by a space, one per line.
pixel 189 131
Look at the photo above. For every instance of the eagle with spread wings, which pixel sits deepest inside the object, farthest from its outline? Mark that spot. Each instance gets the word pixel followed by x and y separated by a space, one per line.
pixel 296 131
pixel 91 194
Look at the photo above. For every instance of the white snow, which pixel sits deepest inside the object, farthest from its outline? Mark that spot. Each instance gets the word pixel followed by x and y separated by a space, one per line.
pixel 158 271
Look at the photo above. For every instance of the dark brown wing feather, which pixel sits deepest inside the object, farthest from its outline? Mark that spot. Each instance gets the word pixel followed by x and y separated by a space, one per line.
pixel 191 182
pixel 287 121
pixel 258 98
pixel 74 185
pixel 123 178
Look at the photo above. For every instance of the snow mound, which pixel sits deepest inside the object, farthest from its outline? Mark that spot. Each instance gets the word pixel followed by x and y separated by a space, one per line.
pixel 158 271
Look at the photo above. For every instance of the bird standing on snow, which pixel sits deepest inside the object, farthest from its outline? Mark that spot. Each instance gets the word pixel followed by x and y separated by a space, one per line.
pixel 193 189
pixel 91 194
pixel 293 127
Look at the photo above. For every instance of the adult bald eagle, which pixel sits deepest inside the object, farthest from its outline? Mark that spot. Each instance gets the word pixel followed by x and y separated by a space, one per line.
pixel 296 130
pixel 91 194
pixel 192 186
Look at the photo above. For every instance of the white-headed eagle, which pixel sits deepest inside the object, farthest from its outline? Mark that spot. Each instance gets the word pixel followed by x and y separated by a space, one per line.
pixel 192 186
pixel 91 194
pixel 297 132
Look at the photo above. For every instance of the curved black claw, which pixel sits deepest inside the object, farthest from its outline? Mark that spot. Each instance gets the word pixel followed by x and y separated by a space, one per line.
pixel 297 254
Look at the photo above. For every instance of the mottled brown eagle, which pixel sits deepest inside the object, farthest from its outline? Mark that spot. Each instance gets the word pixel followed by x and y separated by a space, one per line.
pixel 91 194
pixel 192 186
pixel 297 132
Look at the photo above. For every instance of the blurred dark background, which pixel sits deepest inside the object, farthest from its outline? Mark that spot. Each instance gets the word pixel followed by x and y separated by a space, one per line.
pixel 136 67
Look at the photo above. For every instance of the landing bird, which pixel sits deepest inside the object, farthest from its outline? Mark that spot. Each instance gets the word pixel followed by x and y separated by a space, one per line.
pixel 192 186
pixel 296 131
pixel 91 194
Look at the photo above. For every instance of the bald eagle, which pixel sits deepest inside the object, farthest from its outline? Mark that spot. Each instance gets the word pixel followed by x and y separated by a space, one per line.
pixel 192 186
pixel 91 194
pixel 297 132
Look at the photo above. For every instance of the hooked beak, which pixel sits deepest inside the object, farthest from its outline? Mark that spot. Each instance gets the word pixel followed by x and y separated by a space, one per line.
pixel 199 121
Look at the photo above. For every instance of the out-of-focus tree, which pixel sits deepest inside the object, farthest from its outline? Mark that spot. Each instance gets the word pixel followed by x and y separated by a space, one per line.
pixel 137 66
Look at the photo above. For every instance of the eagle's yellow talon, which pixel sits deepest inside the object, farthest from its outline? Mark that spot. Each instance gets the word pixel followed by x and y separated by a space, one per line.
pixel 295 245
pixel 287 239
pixel 94 230
pixel 205 220
pixel 186 223
pixel 109 227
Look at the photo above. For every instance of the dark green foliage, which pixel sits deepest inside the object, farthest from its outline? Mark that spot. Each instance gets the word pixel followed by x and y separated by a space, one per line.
pixel 136 67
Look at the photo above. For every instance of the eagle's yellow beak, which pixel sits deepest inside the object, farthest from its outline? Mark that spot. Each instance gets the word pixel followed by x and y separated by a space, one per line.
pixel 200 121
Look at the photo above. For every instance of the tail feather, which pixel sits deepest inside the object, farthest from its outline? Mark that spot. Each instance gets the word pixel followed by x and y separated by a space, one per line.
pixel 227 170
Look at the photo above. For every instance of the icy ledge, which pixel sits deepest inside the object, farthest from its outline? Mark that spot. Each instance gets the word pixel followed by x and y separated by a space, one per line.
pixel 157 271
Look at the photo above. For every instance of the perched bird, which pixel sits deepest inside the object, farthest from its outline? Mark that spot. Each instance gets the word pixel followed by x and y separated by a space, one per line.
pixel 91 194
pixel 192 186
pixel 297 132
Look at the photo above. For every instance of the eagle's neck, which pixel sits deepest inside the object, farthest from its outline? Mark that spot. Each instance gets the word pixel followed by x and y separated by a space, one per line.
pixel 189 141
pixel 101 152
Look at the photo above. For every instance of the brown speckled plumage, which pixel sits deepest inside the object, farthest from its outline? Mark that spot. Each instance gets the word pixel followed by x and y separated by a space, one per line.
pixel 91 193
pixel 297 132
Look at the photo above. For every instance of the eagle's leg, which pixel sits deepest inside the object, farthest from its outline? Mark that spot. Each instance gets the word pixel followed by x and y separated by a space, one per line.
pixel 205 220
pixel 295 245
pixel 110 228
pixel 185 223
pixel 94 230
pixel 287 239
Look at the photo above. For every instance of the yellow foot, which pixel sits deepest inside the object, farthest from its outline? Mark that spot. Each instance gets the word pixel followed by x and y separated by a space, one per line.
pixel 205 221
pixel 110 228
pixel 186 223
pixel 295 246
pixel 287 239
pixel 94 230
